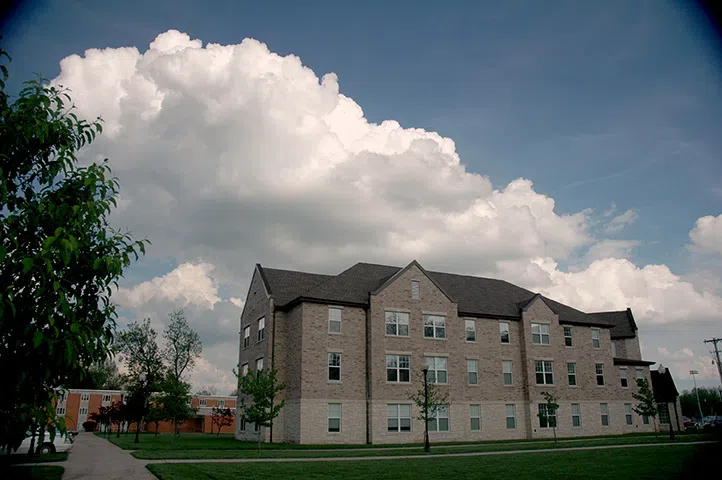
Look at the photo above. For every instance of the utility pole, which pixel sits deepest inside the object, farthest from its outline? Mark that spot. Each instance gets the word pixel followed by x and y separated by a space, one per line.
pixel 699 405
pixel 716 352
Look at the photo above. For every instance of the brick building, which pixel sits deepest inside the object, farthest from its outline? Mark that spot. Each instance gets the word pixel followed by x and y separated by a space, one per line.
pixel 350 349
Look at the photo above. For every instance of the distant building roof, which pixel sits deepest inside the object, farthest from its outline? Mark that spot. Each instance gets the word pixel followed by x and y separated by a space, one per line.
pixel 663 385
pixel 623 321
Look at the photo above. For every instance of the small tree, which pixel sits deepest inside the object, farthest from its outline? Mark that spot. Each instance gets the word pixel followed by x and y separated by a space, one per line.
pixel 548 417
pixel 262 388
pixel 429 399
pixel 155 415
pixel 173 401
pixel 182 345
pixel 221 417
pixel 646 406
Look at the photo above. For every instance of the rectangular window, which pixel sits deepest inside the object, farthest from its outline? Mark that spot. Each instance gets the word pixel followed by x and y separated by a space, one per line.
pixel 244 369
pixel 540 334
pixel 663 409
pixel 415 289
pixel 568 336
pixel 544 374
pixel 595 338
pixel 243 424
pixel 506 371
pixel 599 367
pixel 84 397
pixel 438 369
pixel 604 410
pixel 504 332
pixel 107 398
pixel 259 365
pixel 60 411
pixel 398 368
pixel 440 420
pixel 472 368
pixel 261 328
pixel 510 416
pixel 638 373
pixel 399 417
pixel 246 336
pixel 475 417
pixel 628 413
pixel 256 427
pixel 547 416
pixel 623 376
pixel 614 349
pixel 576 415
pixel 572 374
pixel 83 411
pixel 470 330
pixel 334 320
pixel 397 324
pixel 221 404
pixel 204 402
pixel 334 367
pixel 434 326
pixel 334 417
pixel 645 419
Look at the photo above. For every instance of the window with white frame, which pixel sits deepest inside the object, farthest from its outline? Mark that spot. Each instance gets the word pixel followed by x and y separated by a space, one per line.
pixel 540 334
pixel 576 415
pixel 614 349
pixel 604 411
pixel 334 320
pixel 244 369
pixel 504 332
pixel 246 336
pixel 439 421
pixel 568 341
pixel 415 289
pixel 221 404
pixel 261 328
pixel 83 411
pixel 438 369
pixel 506 370
pixel 398 368
pixel 599 368
pixel 84 397
pixel 334 367
pixel 434 326
pixel 107 398
pixel 547 416
pixel 628 413
pixel 399 417
pixel 645 419
pixel 623 377
pixel 510 410
pixel 595 338
pixel 663 409
pixel 472 369
pixel 259 365
pixel 60 411
pixel 475 417
pixel 204 402
pixel 243 424
pixel 572 374
pixel 544 373
pixel 638 373
pixel 397 324
pixel 470 325
pixel 334 417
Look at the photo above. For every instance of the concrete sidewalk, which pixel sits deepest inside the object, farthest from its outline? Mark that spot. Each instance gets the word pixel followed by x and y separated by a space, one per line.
pixel 95 458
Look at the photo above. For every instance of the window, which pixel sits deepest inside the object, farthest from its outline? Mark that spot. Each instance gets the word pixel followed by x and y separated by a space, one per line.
pixel 334 320
pixel 84 397
pixel 204 402
pixel 398 368
pixel 614 349
pixel 599 367
pixel 663 409
pixel 638 372
pixel 576 415
pixel 510 416
pixel 399 418
pixel 259 365
pixel 246 336
pixel 415 289
pixel 540 334
pixel 243 424
pixel 544 375
pixel 261 328
pixel 572 374
pixel 506 372
pixel 60 411
pixel 83 411
pixel 256 427
pixel 470 330
pixel 434 326
pixel 334 417
pixel 568 336
pixel 475 417
pixel 645 419
pixel 107 398
pixel 244 369
pixel 547 416
pixel 623 376
pixel 188 400
pixel 628 413
pixel 397 324
pixel 438 369
pixel 334 367
pixel 595 338
pixel 604 410
pixel 440 420
pixel 221 404
pixel 472 367
pixel 504 331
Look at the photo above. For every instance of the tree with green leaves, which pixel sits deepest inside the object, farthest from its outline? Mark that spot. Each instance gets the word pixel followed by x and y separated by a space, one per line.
pixel 59 257
pixel 173 401
pixel 710 402
pixel 261 389
pixel 155 415
pixel 646 404
pixel 102 375
pixel 429 399
pixel 221 417
pixel 548 415
pixel 182 345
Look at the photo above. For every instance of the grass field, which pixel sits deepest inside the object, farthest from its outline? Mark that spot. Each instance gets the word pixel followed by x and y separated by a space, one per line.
pixel 33 473
pixel 15 459
pixel 683 461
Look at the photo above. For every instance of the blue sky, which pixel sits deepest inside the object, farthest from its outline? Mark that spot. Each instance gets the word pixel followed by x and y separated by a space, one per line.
pixel 598 103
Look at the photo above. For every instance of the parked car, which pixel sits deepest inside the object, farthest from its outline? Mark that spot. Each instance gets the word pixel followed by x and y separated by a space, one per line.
pixel 59 444
pixel 712 423
pixel 687 422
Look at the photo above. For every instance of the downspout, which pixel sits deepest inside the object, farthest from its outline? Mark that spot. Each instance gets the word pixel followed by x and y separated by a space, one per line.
pixel 272 311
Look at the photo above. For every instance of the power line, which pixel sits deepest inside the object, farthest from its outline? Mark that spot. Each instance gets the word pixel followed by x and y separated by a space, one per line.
pixel 716 353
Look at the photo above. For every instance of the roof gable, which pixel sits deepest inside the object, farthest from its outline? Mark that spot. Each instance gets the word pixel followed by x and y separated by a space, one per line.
pixel 416 264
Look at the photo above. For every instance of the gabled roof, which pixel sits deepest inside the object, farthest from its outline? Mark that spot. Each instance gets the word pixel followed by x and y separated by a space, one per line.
pixel 416 264
pixel 663 386
pixel 623 323
pixel 285 285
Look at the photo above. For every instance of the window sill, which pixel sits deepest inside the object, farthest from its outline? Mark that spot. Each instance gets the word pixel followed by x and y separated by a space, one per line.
pixel 434 338
pixel 470 341
pixel 397 336
pixel 509 385
pixel 473 385
pixel 335 333
pixel 333 434
pixel 541 344
pixel 397 383
pixel 336 382
pixel 505 343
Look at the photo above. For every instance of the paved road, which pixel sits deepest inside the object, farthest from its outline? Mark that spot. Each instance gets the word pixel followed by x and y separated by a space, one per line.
pixel 94 458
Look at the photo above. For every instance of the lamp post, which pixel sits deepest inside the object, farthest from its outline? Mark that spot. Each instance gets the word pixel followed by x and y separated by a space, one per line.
pixel 427 447
pixel 699 405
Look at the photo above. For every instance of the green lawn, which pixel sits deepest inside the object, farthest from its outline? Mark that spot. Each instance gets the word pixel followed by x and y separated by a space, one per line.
pixel 617 464
pixel 33 473
pixel 50 457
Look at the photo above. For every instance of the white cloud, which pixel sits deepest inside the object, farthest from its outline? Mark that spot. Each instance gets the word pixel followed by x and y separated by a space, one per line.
pixel 618 223
pixel 611 249
pixel 706 235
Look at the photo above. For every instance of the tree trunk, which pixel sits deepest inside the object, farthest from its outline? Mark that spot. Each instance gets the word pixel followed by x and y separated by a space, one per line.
pixel 137 432
pixel 41 439
pixel 259 439
pixel 157 427
pixel 31 450
pixel 554 429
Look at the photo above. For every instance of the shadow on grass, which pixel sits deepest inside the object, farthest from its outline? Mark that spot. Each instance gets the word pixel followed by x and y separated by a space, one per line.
pixel 22 458
pixel 34 473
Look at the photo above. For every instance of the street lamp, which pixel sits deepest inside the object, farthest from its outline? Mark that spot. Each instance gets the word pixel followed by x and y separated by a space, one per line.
pixel 699 405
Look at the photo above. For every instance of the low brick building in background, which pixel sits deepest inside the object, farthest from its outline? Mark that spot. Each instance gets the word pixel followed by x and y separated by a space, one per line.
pixel 76 406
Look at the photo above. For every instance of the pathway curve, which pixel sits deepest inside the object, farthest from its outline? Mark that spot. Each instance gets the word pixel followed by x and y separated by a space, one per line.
pixel 95 458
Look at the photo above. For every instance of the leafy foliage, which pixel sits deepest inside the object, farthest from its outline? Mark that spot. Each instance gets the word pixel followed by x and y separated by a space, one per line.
pixel 646 406
pixel 262 388
pixel 549 416
pixel 183 345
pixel 102 375
pixel 172 401
pixel 221 417
pixel 428 399
pixel 710 401
pixel 59 257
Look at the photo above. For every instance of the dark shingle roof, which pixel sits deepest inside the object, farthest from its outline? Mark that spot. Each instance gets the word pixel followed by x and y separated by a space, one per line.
pixel 663 386
pixel 285 285
pixel 623 323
